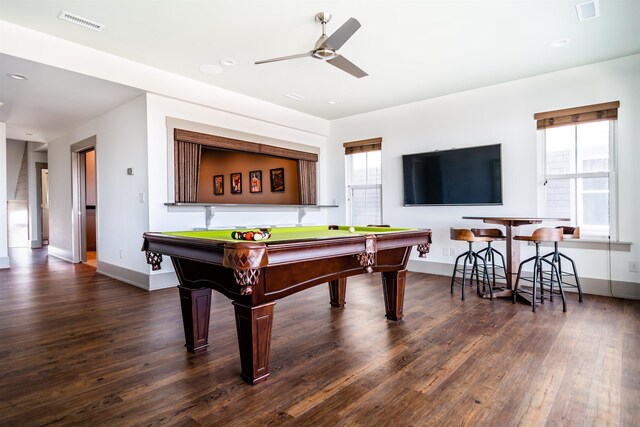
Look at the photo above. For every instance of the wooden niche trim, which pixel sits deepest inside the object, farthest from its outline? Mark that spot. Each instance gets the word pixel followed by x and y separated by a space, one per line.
pixel 224 143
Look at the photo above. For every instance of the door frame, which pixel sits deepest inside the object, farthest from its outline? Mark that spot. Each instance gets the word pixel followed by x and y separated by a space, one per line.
pixel 78 196
pixel 39 202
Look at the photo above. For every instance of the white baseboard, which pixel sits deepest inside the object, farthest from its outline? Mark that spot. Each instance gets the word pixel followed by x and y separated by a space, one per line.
pixel 4 262
pixel 60 253
pixel 589 285
pixel 136 278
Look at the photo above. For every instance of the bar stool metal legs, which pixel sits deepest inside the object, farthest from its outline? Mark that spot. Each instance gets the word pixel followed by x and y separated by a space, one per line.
pixel 539 278
pixel 472 263
pixel 556 256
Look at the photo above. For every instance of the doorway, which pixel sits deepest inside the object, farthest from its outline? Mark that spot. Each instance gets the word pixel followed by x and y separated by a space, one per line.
pixel 85 241
pixel 42 204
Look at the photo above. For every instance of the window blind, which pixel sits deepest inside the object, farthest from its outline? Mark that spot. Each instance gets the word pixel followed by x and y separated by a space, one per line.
pixel 362 146
pixel 585 114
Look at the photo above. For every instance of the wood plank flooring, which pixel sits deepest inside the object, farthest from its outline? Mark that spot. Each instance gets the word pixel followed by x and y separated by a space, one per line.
pixel 79 348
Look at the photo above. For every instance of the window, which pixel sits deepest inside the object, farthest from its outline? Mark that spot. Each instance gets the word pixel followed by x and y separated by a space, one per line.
pixel 578 170
pixel 364 181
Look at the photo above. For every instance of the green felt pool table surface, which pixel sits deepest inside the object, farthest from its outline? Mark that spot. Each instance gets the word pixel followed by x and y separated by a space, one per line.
pixel 281 234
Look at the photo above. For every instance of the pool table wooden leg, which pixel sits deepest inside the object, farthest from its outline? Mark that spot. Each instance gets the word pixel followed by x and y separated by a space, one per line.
pixel 196 309
pixel 254 339
pixel 337 292
pixel 393 288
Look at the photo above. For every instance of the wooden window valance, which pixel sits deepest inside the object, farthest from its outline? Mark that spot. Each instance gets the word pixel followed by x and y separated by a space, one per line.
pixel 224 143
pixel 362 146
pixel 569 116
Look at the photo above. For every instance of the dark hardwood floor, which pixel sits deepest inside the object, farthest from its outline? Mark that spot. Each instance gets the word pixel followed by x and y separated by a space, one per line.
pixel 79 348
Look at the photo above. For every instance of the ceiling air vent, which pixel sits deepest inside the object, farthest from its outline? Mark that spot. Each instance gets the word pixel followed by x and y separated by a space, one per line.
pixel 588 10
pixel 79 20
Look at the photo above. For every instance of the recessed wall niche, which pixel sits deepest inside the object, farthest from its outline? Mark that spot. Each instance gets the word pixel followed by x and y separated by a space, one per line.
pixel 199 157
pixel 221 162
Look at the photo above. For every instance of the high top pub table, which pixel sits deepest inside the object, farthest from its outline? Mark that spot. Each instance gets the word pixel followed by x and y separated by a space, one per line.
pixel 513 248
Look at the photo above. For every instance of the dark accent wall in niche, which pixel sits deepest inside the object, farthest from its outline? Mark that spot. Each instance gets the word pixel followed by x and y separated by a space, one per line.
pixel 221 162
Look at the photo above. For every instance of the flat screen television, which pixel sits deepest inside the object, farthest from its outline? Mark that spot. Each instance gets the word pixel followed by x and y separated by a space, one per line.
pixel 466 176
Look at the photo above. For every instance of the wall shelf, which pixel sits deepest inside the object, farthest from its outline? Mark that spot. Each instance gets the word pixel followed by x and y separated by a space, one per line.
pixel 209 208
pixel 248 205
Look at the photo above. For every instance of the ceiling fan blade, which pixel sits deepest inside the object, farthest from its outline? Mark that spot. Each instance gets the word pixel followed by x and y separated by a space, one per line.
pixel 345 65
pixel 342 34
pixel 284 58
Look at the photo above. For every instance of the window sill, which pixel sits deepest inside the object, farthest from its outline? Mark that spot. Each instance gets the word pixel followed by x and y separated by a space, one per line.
pixel 597 244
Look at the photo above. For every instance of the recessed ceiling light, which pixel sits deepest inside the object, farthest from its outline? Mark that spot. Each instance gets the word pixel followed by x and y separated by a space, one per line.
pixel 210 69
pixel 333 101
pixel 560 42
pixel 588 10
pixel 228 62
pixel 295 96
pixel 28 134
pixel 17 76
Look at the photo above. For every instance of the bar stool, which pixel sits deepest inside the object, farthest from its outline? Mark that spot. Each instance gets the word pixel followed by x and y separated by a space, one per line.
pixel 556 256
pixel 470 258
pixel 489 253
pixel 541 235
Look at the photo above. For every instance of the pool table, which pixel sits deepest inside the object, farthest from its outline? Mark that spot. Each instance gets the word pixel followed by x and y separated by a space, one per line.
pixel 254 274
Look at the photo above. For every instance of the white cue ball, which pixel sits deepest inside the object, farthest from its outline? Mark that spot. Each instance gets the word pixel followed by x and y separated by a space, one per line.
pixel 351 229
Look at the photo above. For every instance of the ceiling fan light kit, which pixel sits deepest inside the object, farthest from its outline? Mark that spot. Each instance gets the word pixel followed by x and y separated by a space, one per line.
pixel 326 47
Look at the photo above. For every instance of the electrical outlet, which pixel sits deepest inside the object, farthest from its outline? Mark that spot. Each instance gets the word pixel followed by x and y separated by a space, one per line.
pixel 634 267
pixel 141 197
pixel 445 251
pixel 452 251
pixel 120 253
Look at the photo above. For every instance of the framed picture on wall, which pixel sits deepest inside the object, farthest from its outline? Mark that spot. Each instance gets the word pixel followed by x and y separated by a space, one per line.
pixel 255 181
pixel 236 183
pixel 277 180
pixel 218 185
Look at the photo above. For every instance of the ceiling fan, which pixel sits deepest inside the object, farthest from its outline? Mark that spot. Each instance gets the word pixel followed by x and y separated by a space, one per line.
pixel 326 47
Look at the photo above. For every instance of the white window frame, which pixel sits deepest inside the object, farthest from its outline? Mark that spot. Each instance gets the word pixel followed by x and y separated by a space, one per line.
pixel 350 189
pixel 612 174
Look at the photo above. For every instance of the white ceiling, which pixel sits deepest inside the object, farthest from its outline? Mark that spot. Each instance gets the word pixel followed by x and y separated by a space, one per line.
pixel 52 100
pixel 412 50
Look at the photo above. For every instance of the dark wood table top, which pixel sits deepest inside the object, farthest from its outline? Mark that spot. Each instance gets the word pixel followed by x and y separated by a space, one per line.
pixel 513 221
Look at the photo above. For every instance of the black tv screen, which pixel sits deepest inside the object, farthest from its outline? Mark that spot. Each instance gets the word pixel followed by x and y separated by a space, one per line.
pixel 467 176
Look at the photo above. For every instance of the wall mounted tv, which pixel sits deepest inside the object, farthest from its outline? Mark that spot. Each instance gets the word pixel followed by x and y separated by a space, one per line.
pixel 466 176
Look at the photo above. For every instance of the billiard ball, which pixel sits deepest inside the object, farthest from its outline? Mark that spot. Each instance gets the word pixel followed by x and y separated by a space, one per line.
pixel 351 229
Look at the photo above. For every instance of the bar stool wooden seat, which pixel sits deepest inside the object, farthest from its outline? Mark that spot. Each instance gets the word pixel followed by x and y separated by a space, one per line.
pixel 491 254
pixel 471 258
pixel 540 235
pixel 568 233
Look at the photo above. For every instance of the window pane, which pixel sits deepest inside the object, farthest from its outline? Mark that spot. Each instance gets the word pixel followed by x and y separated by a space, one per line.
pixel 560 146
pixel 560 198
pixel 593 147
pixel 366 204
pixel 593 205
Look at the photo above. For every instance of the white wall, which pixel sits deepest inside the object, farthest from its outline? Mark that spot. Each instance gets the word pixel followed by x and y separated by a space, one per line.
pixel 503 114
pixel 121 142
pixel 15 151
pixel 202 119
pixel 4 248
